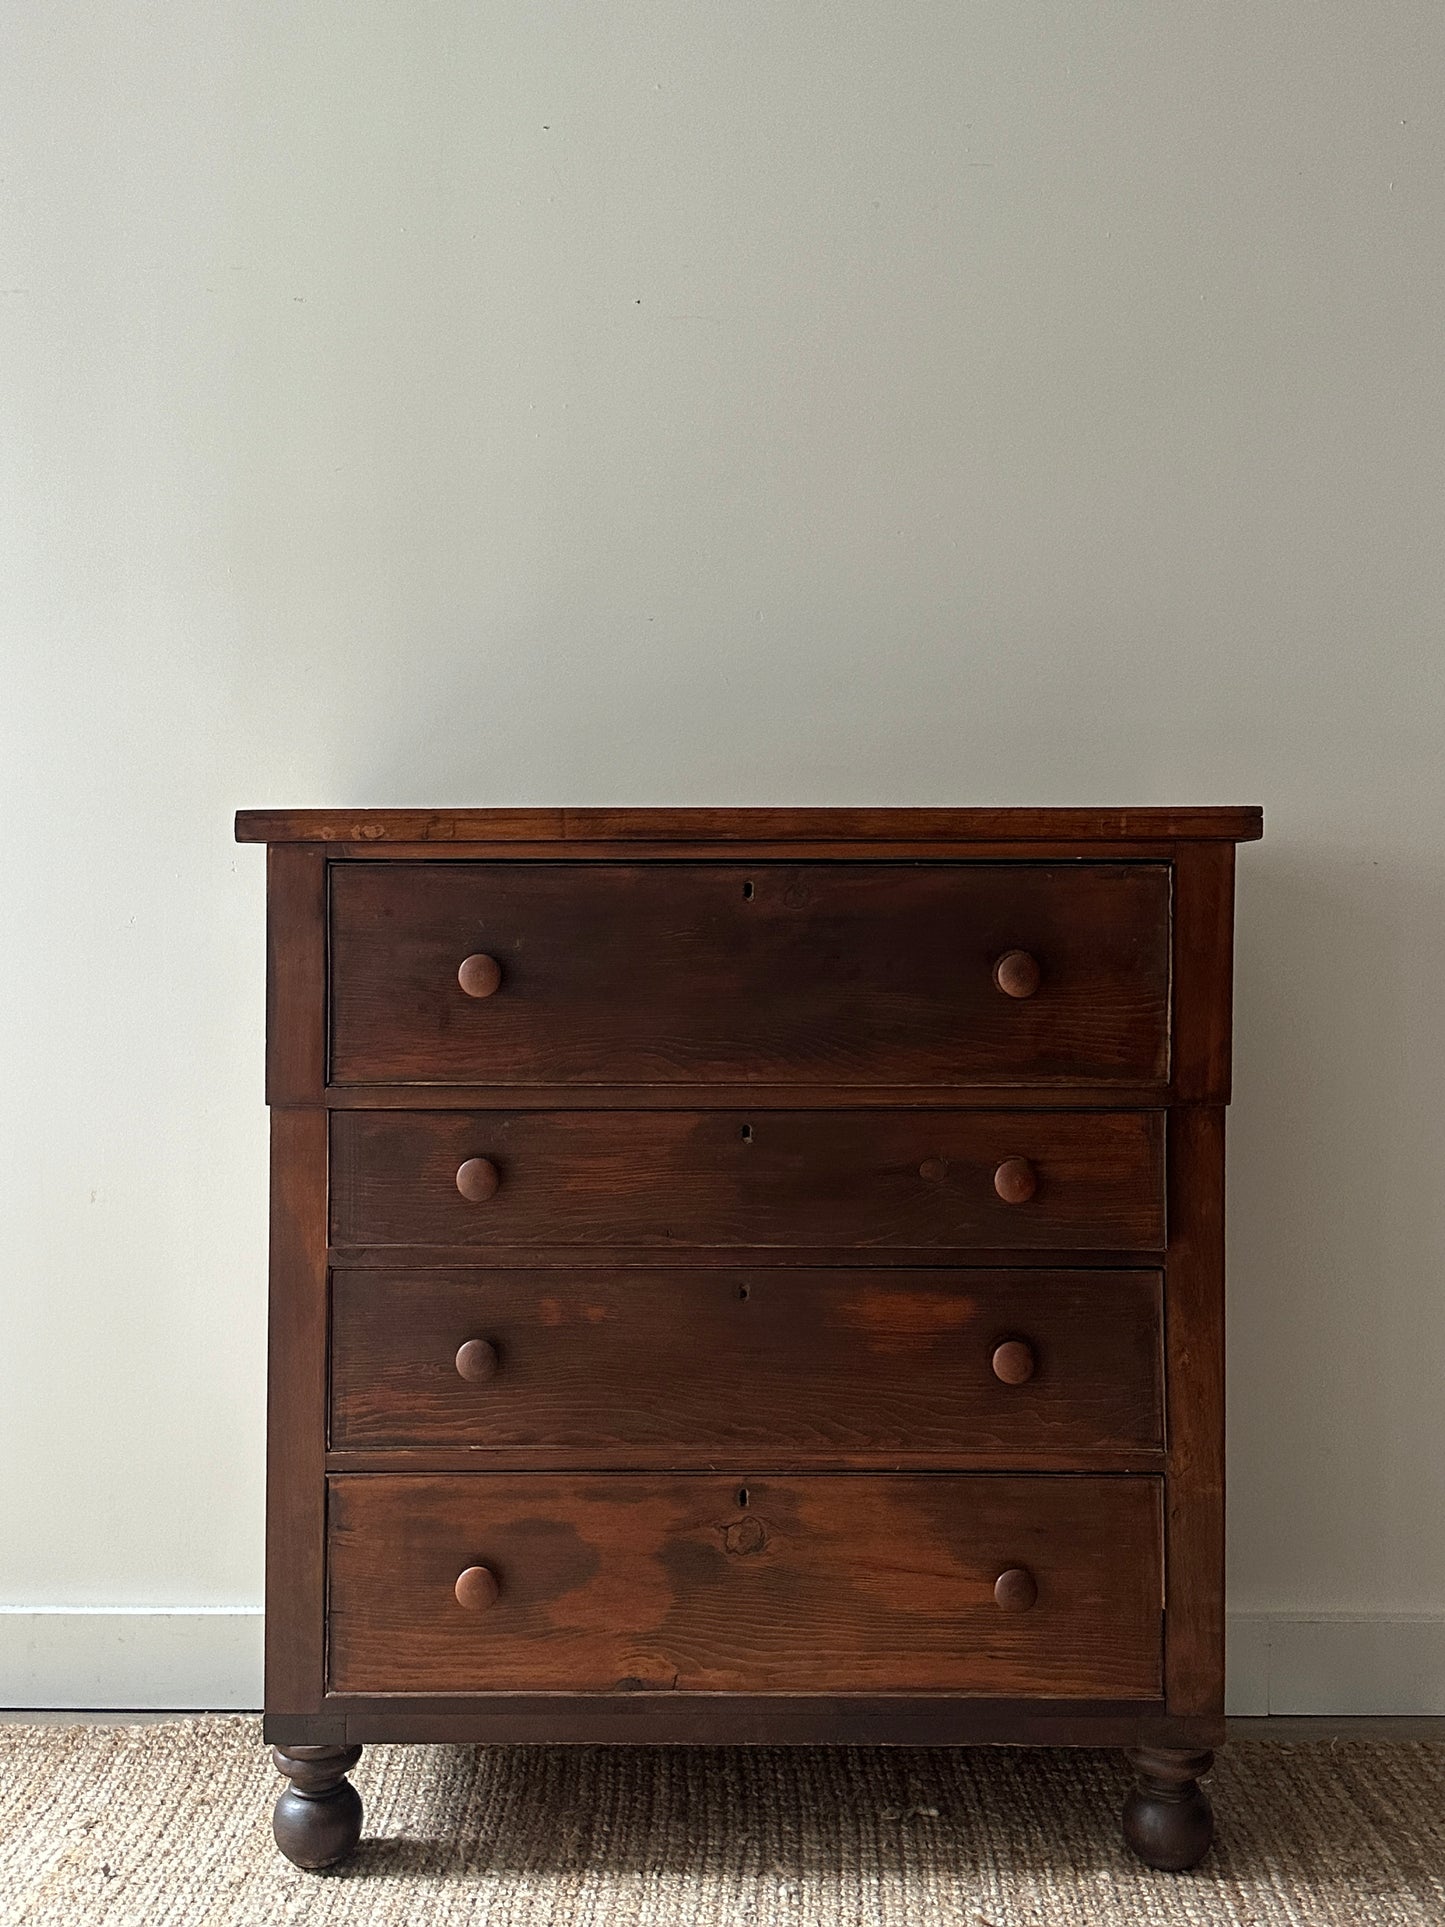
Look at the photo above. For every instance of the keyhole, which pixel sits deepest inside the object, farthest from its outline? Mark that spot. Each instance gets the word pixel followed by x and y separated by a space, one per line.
pixel 743 1496
pixel 746 1134
pixel 742 1291
pixel 748 891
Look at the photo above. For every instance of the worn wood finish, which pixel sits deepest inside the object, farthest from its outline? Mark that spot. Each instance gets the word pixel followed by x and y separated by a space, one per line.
pixel 726 1247
pixel 296 1347
pixel 1203 970
pixel 625 1582
pixel 684 1367
pixel 670 1179
pixel 296 1414
pixel 785 973
pixel 855 826
pixel 295 976
pixel 744 1719
pixel 1194 1325
pixel 665 1367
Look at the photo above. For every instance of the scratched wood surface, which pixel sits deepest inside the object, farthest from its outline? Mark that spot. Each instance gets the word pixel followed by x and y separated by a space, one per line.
pixel 802 1584
pixel 669 1179
pixel 683 1367
pixel 790 973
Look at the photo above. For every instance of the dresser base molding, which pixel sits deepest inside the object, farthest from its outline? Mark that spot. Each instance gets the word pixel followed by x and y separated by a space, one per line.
pixel 317 1820
pixel 1168 1821
pixel 738 1719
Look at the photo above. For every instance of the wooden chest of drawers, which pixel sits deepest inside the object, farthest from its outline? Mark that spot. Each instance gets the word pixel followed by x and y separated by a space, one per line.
pixel 747 1275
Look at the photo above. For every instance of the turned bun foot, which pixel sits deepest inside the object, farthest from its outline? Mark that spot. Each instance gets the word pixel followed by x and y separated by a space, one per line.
pixel 318 1817
pixel 1168 1820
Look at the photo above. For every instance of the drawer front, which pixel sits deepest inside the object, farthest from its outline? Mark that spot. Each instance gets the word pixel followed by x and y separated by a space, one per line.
pixel 764 974
pixel 707 1584
pixel 930 1180
pixel 688 1367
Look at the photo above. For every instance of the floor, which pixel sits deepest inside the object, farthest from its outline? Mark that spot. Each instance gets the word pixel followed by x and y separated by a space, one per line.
pixel 148 1822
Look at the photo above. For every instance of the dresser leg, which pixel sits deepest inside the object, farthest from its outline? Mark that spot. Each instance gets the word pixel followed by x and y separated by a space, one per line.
pixel 318 1817
pixel 1168 1820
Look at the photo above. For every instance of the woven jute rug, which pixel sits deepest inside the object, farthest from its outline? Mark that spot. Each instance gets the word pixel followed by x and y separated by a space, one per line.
pixel 159 1826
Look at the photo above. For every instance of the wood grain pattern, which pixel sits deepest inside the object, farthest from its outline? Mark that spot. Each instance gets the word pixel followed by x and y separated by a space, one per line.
pixel 1232 824
pixel 784 973
pixel 671 1179
pixel 1203 971
pixel 687 1368
pixel 611 1584
pixel 295 1414
pixel 1194 1322
pixel 742 1427
pixel 295 976
pixel 749 1719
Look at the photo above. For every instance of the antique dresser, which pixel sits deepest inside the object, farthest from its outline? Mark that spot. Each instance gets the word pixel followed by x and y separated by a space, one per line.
pixel 747 1276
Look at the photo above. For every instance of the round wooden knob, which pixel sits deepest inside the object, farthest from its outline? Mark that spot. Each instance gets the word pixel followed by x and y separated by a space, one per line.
pixel 477 1361
pixel 1013 1362
pixel 1014 1591
pixel 477 1180
pixel 1017 974
pixel 477 1588
pixel 479 976
pixel 1015 1180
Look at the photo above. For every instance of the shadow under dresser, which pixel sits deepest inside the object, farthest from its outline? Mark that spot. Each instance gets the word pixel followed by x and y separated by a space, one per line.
pixel 747 1276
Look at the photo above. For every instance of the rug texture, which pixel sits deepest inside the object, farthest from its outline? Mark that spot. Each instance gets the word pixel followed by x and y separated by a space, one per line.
pixel 167 1826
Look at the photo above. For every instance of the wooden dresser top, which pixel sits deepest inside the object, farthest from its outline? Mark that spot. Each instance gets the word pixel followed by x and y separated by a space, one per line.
pixel 1215 823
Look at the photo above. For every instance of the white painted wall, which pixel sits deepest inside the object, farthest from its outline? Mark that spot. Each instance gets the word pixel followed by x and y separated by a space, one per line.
pixel 998 401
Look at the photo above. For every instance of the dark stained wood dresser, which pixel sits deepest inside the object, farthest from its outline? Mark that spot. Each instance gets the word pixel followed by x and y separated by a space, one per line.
pixel 747 1276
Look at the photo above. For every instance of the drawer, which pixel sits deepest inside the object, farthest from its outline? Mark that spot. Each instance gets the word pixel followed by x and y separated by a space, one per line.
pixel 771 973
pixel 689 1367
pixel 827 1584
pixel 899 1180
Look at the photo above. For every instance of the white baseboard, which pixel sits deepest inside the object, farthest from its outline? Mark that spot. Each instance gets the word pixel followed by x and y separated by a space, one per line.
pixel 1339 1665
pixel 144 1659
pixel 187 1658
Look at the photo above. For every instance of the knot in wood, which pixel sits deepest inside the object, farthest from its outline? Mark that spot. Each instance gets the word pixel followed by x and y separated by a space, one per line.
pixel 745 1536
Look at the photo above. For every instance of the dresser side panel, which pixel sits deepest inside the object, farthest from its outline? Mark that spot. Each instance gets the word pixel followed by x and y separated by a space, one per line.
pixel 295 975
pixel 296 1415
pixel 1194 1342
pixel 296 1378
pixel 1203 971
